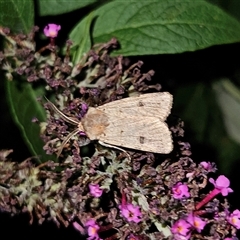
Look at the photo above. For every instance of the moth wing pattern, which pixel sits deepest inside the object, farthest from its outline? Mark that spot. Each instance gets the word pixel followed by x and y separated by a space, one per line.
pixel 147 134
pixel 134 122
pixel 146 105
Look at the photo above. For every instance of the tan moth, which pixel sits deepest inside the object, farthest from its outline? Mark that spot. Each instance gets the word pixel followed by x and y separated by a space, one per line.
pixel 135 122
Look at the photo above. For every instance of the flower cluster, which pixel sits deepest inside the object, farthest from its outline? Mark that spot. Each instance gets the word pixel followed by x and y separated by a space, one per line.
pixel 101 191
pixel 184 227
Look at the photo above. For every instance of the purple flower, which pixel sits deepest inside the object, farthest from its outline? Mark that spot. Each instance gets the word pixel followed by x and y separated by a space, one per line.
pixel 34 119
pixel 82 133
pixel 84 107
pixel 132 237
pixel 130 212
pixel 222 185
pixel 233 238
pixel 181 230
pixel 180 191
pixel 206 165
pixel 78 227
pixel 196 222
pixel 92 229
pixel 95 190
pixel 51 30
pixel 83 110
pixel 234 219
pixel 189 175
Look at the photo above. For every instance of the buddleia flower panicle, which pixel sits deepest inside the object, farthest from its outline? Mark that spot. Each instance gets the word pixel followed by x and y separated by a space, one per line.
pixel 100 191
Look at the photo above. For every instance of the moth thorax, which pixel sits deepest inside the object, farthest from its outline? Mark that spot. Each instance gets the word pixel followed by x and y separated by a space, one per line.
pixel 94 123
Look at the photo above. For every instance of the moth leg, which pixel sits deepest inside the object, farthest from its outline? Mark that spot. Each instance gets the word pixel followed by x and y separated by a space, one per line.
pixel 118 148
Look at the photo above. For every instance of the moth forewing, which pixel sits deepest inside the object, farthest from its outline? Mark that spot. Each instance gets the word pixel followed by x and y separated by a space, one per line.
pixel 147 105
pixel 147 134
pixel 134 122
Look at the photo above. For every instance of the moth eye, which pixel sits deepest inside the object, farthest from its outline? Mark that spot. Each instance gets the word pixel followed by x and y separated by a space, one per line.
pixel 141 139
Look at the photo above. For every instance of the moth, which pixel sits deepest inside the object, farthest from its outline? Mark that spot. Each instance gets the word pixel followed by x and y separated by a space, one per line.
pixel 134 122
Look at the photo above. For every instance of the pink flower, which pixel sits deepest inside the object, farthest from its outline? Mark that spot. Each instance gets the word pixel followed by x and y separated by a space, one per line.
pixel 196 222
pixel 206 165
pixel 130 212
pixel 92 229
pixel 51 30
pixel 181 230
pixel 34 119
pixel 95 190
pixel 132 237
pixel 189 175
pixel 180 191
pixel 234 219
pixel 78 227
pixel 222 185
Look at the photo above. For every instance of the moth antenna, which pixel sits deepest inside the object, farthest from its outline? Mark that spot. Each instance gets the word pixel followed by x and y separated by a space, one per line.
pixel 118 148
pixel 61 114
pixel 69 136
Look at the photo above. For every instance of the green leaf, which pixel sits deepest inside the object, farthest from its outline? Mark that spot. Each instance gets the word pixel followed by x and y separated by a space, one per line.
pixel 228 96
pixel 231 6
pixel 24 106
pixel 81 38
pixel 54 7
pixel 166 26
pixel 193 102
pixel 197 106
pixel 18 15
pixel 164 229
